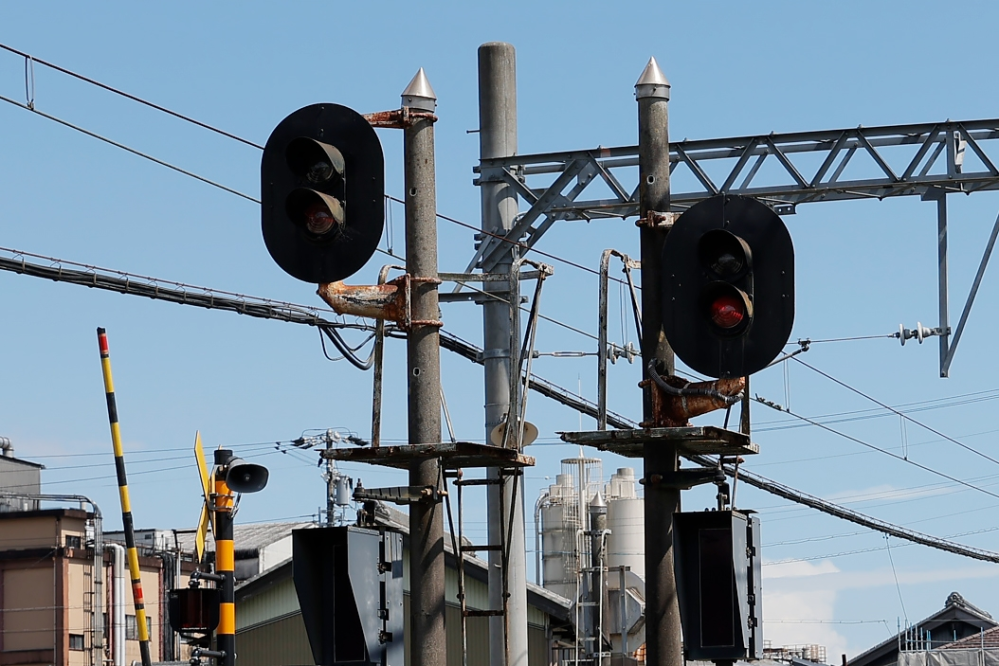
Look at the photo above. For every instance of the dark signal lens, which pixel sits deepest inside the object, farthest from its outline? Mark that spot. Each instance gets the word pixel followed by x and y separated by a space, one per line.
pixel 723 253
pixel 319 172
pixel 727 311
pixel 320 214
pixel 318 219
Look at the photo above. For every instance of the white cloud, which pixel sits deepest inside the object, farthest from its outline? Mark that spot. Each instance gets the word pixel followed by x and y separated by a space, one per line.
pixel 798 569
pixel 799 599
pixel 826 576
pixel 803 614
pixel 786 604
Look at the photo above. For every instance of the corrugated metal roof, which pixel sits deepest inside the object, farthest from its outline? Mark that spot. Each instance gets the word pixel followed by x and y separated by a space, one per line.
pixel 246 538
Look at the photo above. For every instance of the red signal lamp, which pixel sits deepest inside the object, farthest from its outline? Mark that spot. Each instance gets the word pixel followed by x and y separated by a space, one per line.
pixel 727 312
pixel 728 308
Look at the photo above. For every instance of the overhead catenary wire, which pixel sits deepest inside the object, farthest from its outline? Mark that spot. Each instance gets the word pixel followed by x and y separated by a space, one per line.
pixel 454 343
pixel 894 573
pixel 126 95
pixel 167 290
pixel 886 452
pixel 810 341
pixel 31 107
pixel 551 390
pixel 876 413
pixel 496 297
pixel 128 149
pixel 901 414
pixel 518 244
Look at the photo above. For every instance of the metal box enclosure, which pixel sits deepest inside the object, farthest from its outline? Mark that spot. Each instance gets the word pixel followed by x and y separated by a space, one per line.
pixel 717 560
pixel 349 585
pixel 194 609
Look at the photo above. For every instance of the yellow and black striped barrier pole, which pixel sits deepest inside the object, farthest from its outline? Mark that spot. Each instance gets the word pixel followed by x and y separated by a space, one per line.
pixel 126 507
pixel 225 636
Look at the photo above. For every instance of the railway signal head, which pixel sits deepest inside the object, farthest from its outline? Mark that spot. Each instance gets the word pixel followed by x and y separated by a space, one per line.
pixel 728 286
pixel 322 189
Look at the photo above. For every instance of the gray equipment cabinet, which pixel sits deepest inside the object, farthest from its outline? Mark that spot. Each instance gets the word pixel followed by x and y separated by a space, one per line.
pixel 718 582
pixel 349 585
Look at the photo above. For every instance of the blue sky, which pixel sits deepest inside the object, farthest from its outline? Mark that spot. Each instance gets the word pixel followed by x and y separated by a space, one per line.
pixel 736 68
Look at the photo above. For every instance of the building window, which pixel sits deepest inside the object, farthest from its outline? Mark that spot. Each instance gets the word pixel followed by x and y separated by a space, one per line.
pixel 76 641
pixel 73 541
pixel 132 627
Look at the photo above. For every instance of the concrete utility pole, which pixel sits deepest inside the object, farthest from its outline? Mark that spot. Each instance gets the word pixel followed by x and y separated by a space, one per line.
pixel 498 138
pixel 662 611
pixel 426 517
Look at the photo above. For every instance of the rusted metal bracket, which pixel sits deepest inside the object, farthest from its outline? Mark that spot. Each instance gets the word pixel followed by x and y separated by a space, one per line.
pixel 399 494
pixel 657 220
pixel 683 479
pixel 399 118
pixel 675 406
pixel 391 301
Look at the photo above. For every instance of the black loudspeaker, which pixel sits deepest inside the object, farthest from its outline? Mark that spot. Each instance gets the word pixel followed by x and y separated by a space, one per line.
pixel 244 477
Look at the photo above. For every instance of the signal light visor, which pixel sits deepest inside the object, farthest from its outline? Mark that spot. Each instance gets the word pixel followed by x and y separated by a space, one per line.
pixel 723 253
pixel 317 213
pixel 314 161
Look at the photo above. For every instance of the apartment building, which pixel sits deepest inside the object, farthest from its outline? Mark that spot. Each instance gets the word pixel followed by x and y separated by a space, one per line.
pixel 65 597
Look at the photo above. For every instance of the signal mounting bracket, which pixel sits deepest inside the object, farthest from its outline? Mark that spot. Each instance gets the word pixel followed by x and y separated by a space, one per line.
pixel 390 301
pixel 690 440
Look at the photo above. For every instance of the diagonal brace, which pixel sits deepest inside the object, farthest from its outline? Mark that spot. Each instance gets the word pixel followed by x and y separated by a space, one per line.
pixel 949 357
pixel 495 247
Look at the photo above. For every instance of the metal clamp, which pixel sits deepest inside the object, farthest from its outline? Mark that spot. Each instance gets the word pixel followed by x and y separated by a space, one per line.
pixel 657 220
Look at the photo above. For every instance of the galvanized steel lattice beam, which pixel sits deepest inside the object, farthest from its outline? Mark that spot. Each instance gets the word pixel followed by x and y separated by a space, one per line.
pixel 782 170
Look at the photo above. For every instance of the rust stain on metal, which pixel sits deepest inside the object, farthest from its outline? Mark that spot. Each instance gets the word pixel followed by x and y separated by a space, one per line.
pixel 657 220
pixel 380 301
pixel 670 411
pixel 390 301
pixel 398 119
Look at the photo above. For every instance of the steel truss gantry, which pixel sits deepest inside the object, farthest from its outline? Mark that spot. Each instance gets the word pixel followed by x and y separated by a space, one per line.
pixel 782 170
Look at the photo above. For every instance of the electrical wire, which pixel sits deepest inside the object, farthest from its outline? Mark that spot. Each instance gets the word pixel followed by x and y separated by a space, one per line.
pixel 128 149
pixel 929 490
pixel 518 244
pixel 174 292
pixel 453 343
pixel 848 339
pixel 895 411
pixel 126 95
pixel 879 449
pixel 578 402
pixel 898 587
pixel 872 413
pixel 496 297
pixel 344 349
pixel 31 107
pixel 857 551
pixel 187 449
